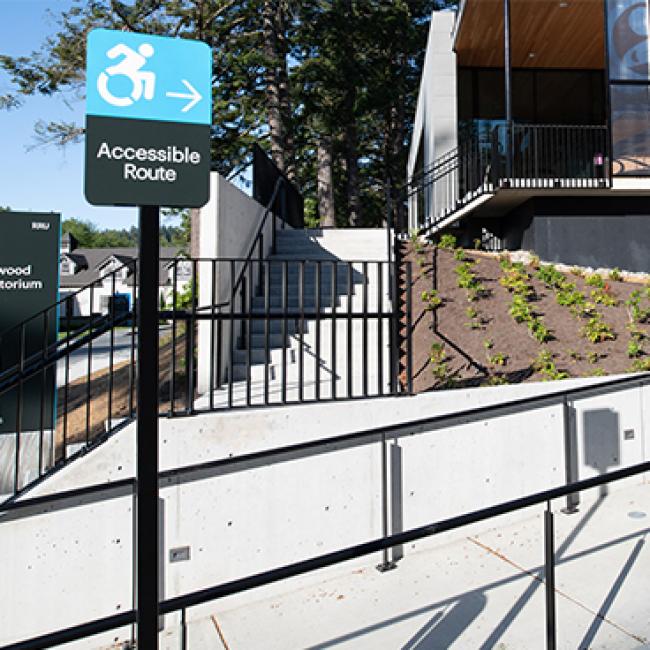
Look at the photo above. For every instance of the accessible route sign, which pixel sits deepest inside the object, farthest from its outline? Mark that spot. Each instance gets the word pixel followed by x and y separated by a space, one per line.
pixel 148 116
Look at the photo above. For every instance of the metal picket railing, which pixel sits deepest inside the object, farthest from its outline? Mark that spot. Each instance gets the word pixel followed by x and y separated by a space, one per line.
pixel 68 369
pixel 518 156
pixel 383 543
pixel 282 331
pixel 233 333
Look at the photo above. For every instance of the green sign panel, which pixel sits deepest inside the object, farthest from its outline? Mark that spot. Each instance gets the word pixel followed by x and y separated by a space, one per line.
pixel 29 284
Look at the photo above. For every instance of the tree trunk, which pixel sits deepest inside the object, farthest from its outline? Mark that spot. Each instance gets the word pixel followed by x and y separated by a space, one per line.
pixel 272 90
pixel 325 183
pixel 283 89
pixel 351 145
pixel 352 160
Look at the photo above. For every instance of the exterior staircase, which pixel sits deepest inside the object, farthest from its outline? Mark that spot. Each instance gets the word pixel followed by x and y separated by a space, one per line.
pixel 315 344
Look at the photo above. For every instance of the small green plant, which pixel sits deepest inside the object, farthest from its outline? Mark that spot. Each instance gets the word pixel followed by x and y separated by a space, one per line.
pixel 595 280
pixel 597 372
pixel 597 331
pixel 637 313
pixel 477 244
pixel 438 353
pixel 447 241
pixel 569 296
pixel 431 299
pixel 476 322
pixel 634 349
pixel 604 297
pixel 439 359
pixel 516 280
pixel 520 309
pixel 459 254
pixel 534 260
pixel 496 380
pixel 540 332
pixel 550 276
pixel 545 365
pixel 498 359
pixel 468 280
pixel 615 274
pixel 641 365
pixel 584 310
pixel 593 356
pixel 488 344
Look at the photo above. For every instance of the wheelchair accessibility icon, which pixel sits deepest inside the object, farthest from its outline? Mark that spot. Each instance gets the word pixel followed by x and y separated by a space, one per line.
pixel 143 82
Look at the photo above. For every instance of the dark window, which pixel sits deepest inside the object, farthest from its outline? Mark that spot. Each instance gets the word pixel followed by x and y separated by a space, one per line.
pixel 490 93
pixel 538 97
pixel 523 96
pixel 564 97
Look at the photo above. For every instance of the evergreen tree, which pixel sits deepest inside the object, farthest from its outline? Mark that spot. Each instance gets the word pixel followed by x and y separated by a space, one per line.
pixel 328 87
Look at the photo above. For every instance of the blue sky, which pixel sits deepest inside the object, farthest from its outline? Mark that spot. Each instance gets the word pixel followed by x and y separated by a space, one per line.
pixel 42 179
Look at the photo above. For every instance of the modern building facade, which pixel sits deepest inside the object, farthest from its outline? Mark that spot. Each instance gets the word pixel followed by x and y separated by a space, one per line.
pixel 533 129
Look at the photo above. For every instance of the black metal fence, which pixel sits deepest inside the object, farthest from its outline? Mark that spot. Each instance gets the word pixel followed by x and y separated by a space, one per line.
pixel 275 331
pixel 383 543
pixel 453 181
pixel 233 333
pixel 551 156
pixel 93 359
pixel 520 156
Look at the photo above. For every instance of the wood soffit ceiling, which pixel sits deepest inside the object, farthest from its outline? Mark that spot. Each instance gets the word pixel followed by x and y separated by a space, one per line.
pixel 558 33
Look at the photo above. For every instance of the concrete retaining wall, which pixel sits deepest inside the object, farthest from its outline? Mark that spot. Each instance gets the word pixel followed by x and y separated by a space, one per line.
pixel 228 225
pixel 67 564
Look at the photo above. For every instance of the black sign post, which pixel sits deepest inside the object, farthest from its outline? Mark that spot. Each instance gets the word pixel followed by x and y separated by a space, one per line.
pixel 147 579
pixel 149 107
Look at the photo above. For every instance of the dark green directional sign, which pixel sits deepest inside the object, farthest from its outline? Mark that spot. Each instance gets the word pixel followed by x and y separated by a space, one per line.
pixel 29 284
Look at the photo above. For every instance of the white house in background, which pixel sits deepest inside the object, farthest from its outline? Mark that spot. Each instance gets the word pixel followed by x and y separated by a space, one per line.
pixel 87 275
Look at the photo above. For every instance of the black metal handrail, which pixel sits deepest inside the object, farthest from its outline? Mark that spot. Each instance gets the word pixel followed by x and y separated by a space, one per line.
pixel 38 354
pixel 384 543
pixel 365 436
pixel 269 348
pixel 534 156
pixel 551 155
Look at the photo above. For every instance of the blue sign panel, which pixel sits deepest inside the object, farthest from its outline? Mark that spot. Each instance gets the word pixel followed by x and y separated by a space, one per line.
pixel 139 76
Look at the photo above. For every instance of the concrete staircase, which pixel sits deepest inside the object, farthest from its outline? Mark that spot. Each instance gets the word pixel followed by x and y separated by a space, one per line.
pixel 319 274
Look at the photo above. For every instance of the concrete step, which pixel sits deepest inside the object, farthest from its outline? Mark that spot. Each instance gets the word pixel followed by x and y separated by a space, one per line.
pixel 275 326
pixel 259 340
pixel 294 265
pixel 258 355
pixel 294 301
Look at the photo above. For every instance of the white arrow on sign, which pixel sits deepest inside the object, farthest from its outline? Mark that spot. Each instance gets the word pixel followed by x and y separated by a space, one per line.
pixel 194 96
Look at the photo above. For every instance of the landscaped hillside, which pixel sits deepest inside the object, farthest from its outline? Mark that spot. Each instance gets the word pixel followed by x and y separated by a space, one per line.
pixel 485 319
